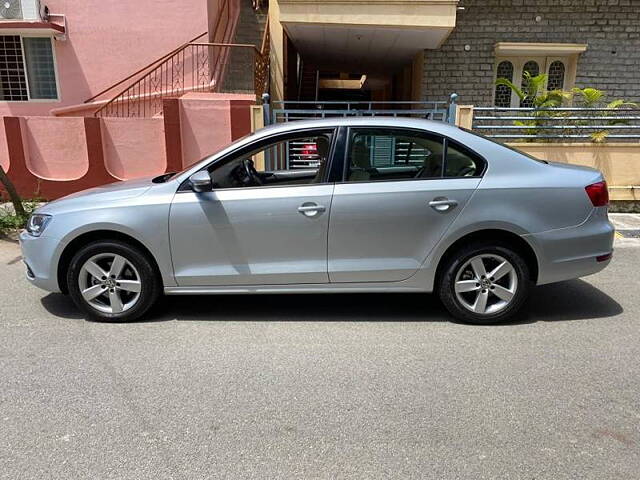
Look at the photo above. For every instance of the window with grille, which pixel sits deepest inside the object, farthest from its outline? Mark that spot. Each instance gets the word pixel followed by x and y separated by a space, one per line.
pixel 533 69
pixel 556 76
pixel 27 69
pixel 503 93
pixel 13 82
pixel 513 68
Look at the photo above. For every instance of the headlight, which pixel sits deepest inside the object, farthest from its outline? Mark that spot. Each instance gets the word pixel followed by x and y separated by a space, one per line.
pixel 37 223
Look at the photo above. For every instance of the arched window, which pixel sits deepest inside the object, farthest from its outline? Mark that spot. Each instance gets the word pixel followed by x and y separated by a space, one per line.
pixel 556 76
pixel 503 93
pixel 534 69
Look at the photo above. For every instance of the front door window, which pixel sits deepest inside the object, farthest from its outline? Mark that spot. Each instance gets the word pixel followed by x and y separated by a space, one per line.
pixel 293 160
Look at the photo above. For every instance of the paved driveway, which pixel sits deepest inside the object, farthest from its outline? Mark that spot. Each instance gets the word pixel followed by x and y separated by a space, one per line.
pixel 334 386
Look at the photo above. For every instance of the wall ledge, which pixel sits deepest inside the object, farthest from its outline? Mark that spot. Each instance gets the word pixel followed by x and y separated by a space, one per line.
pixel 574 144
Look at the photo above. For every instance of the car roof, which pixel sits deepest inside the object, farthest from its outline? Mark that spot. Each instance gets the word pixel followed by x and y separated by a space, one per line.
pixel 378 121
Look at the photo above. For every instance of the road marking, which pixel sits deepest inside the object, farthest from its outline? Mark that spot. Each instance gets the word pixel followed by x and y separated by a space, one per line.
pixel 619 235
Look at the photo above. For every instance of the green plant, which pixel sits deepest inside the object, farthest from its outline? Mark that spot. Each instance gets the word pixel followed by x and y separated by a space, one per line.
pixel 11 221
pixel 533 94
pixel 13 193
pixel 594 98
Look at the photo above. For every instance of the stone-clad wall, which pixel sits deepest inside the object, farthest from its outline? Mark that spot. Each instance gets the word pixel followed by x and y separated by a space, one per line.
pixel 611 28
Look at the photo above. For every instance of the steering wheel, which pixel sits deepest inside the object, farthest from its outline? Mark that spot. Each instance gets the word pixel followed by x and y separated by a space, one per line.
pixel 251 172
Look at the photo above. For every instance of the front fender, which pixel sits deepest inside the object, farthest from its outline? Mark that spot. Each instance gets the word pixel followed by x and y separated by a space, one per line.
pixel 147 226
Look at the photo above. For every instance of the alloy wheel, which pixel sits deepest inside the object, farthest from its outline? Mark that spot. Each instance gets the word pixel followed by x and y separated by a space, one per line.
pixel 110 283
pixel 486 284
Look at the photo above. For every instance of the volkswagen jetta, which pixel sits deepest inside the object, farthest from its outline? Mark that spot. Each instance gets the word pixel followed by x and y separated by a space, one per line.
pixel 340 205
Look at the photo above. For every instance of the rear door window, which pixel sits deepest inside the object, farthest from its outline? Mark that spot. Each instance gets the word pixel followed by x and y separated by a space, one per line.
pixel 393 154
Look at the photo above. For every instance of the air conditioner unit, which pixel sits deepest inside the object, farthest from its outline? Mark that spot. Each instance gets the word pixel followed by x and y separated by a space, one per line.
pixel 29 10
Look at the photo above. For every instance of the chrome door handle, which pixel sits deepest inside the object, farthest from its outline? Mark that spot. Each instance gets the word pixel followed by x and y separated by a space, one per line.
pixel 442 204
pixel 311 209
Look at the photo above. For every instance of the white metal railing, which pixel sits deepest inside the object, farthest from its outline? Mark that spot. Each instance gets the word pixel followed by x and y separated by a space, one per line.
pixel 292 110
pixel 560 123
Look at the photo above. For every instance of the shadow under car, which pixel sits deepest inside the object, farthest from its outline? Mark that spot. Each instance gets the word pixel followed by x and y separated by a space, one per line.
pixel 571 300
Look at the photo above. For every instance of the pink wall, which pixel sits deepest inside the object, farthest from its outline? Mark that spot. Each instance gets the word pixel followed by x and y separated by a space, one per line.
pixel 200 136
pixel 219 13
pixel 55 148
pixel 55 156
pixel 4 152
pixel 208 122
pixel 133 147
pixel 107 41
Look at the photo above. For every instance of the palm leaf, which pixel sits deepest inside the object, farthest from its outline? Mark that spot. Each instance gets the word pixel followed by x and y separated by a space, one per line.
pixel 534 84
pixel 590 96
pixel 599 137
pixel 621 103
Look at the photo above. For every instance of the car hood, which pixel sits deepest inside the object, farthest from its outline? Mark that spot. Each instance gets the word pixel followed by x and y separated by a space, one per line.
pixel 103 194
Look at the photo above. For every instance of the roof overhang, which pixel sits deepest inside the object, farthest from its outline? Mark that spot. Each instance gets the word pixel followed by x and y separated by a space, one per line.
pixel 504 49
pixel 379 13
pixel 10 26
pixel 366 33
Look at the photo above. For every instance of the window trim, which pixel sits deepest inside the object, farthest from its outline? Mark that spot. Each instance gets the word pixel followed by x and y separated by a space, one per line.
pixel 519 49
pixel 30 34
pixel 275 138
pixel 544 62
pixel 518 53
pixel 445 141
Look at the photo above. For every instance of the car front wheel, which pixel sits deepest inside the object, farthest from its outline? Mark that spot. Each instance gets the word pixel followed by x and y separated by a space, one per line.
pixel 112 281
pixel 484 283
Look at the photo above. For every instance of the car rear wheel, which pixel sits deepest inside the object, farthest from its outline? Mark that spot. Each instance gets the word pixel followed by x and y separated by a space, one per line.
pixel 484 283
pixel 112 281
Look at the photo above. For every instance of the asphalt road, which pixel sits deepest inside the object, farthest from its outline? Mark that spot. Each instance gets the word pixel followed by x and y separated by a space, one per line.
pixel 335 386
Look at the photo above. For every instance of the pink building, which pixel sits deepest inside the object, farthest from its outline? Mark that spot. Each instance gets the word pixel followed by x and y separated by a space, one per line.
pixel 57 55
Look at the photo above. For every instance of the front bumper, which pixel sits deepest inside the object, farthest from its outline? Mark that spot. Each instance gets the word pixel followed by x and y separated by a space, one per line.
pixel 568 253
pixel 40 258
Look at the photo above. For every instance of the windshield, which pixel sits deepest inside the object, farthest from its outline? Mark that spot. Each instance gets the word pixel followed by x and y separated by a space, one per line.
pixel 513 149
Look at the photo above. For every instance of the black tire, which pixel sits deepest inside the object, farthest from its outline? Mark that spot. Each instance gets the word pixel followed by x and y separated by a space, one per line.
pixel 455 262
pixel 149 290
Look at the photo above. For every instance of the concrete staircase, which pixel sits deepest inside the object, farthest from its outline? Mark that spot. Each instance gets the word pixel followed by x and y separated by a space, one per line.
pixel 240 67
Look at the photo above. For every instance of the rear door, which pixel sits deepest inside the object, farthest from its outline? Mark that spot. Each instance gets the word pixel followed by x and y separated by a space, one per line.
pixel 401 191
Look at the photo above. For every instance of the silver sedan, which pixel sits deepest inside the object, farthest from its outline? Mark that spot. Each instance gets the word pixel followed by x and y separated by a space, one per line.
pixel 340 205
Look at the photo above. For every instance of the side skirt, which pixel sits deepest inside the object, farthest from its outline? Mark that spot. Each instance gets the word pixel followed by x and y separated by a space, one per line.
pixel 271 289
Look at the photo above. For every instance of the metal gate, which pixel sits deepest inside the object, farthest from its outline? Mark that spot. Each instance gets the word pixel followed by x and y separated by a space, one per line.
pixel 293 110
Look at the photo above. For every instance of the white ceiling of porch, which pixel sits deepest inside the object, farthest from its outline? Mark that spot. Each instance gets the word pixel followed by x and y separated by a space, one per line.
pixel 362 49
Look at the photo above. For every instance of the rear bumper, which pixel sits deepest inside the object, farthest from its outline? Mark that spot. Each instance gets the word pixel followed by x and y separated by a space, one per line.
pixel 38 254
pixel 573 252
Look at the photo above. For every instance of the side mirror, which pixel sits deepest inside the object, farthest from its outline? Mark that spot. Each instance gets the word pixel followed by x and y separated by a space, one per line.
pixel 201 181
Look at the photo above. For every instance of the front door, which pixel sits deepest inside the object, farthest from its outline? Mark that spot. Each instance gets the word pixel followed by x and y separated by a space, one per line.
pixel 256 226
pixel 402 190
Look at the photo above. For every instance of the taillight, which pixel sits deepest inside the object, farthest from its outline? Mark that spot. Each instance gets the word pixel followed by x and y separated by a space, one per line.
pixel 598 194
